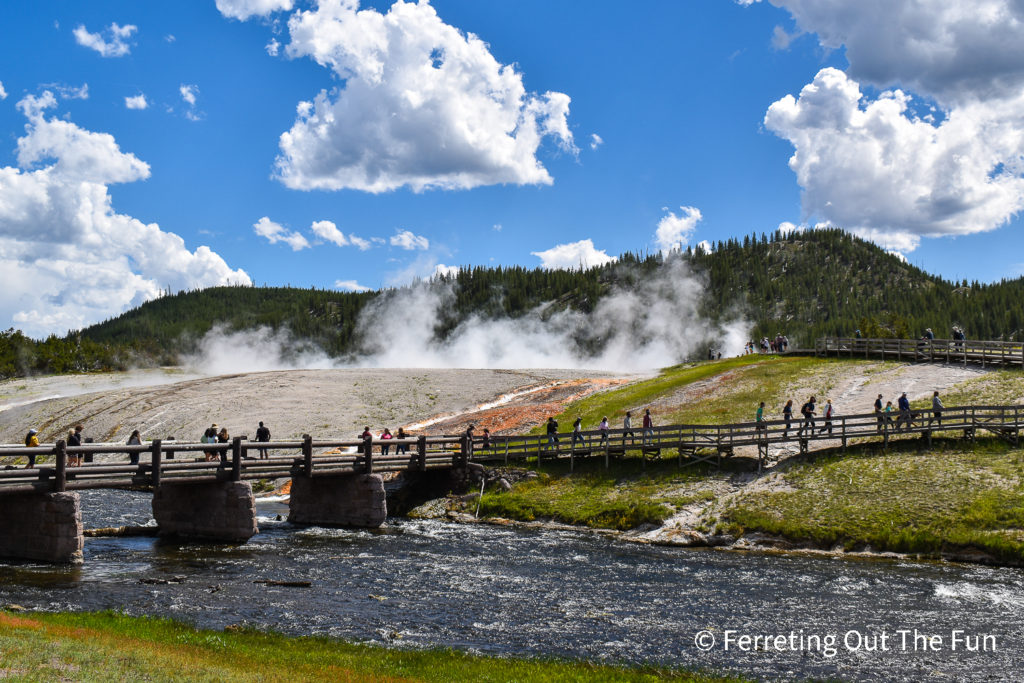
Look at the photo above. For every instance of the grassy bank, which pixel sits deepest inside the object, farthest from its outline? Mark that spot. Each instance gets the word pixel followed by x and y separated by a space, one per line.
pixel 952 499
pixel 112 647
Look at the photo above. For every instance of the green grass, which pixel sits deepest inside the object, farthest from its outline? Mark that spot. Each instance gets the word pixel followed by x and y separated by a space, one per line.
pixel 733 388
pixel 622 497
pixel 997 387
pixel 956 497
pixel 108 646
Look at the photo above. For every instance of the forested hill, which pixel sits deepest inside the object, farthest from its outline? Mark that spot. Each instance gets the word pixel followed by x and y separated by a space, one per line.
pixel 805 285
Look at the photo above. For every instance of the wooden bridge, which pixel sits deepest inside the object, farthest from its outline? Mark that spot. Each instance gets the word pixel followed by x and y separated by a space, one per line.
pixel 964 351
pixel 339 482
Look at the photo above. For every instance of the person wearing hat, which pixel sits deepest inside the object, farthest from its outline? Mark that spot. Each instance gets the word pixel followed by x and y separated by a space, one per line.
pixel 31 441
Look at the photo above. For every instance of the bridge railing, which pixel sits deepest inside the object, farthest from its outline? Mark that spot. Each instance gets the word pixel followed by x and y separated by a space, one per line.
pixel 930 350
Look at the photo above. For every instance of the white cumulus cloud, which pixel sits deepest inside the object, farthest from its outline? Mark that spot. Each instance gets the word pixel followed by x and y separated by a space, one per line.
pixel 409 241
pixel 596 141
pixel 328 231
pixel 875 166
pixel 422 105
pixel 573 255
pixel 3 93
pixel 441 270
pixel 112 42
pixel 243 9
pixel 674 231
pixel 350 286
pixel 136 102
pixel 67 259
pixel 275 232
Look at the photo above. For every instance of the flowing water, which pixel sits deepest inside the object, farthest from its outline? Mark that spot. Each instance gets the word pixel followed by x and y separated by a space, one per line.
pixel 509 591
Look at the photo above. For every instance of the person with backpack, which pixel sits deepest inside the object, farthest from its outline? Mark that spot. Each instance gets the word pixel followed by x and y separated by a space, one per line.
pixel 552 431
pixel 31 441
pixel 787 415
pixel 828 418
pixel 263 435
pixel 878 413
pixel 807 410
pixel 905 416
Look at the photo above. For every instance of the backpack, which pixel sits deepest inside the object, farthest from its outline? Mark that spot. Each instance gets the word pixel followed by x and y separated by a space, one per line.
pixel 28 439
pixel 806 409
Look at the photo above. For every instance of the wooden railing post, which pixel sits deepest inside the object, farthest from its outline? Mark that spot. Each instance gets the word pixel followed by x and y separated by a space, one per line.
pixel 465 443
pixel 60 481
pixel 307 455
pixel 236 459
pixel 368 453
pixel 421 452
pixel 154 459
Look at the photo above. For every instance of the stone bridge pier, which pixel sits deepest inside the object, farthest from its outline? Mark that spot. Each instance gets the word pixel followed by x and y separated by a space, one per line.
pixel 46 527
pixel 222 511
pixel 343 500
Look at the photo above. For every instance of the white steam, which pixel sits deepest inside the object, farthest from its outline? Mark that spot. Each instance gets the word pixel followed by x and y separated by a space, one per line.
pixel 652 324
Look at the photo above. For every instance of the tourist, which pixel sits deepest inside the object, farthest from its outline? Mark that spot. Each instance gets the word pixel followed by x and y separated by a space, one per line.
pixel 367 446
pixel 905 416
pixel 74 441
pixel 603 428
pixel 209 436
pixel 134 440
pixel 552 432
pixel 888 411
pixel 577 430
pixel 401 448
pixel 222 438
pixel 385 436
pixel 263 436
pixel 648 427
pixel 31 441
pixel 486 442
pixel 627 427
pixel 937 407
pixel 787 415
pixel 828 418
pixel 760 426
pixel 807 410
pixel 878 412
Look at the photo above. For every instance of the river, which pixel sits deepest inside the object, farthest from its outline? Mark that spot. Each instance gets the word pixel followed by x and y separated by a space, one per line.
pixel 509 591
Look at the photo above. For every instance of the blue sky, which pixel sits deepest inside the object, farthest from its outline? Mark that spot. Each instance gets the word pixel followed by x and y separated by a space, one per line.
pixel 462 132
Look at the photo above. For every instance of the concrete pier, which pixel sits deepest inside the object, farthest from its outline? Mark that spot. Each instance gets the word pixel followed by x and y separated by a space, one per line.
pixel 221 511
pixel 347 500
pixel 42 526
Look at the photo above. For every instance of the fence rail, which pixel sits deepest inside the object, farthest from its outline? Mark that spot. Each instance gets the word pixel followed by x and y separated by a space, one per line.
pixel 984 353
pixel 170 462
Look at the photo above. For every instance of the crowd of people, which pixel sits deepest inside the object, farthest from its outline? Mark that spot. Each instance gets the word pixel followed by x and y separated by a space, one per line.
pixel 898 418
pixel 778 344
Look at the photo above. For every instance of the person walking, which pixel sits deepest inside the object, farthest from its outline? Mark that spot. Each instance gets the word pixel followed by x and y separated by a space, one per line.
pixel 31 441
pixel 878 413
pixel 552 431
pixel 134 440
pixel 577 430
pixel 627 428
pixel 828 418
pixel 263 436
pixel 807 410
pixel 648 427
pixel 904 417
pixel 937 408
pixel 787 415
pixel 760 426
pixel 603 428
pixel 887 413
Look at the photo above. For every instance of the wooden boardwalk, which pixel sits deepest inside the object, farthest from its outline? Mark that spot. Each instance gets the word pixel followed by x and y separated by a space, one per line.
pixel 171 462
pixel 949 351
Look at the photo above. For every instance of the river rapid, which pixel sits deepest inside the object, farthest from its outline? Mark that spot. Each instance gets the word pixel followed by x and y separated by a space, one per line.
pixel 530 592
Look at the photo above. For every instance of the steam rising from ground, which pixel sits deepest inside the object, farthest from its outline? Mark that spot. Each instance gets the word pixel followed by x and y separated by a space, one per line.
pixel 654 324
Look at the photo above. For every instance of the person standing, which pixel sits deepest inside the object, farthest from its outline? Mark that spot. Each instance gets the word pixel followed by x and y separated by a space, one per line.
pixel 878 413
pixel 386 435
pixel 648 427
pixel 787 415
pixel 134 440
pixel 627 428
pixel 402 449
pixel 31 441
pixel 603 428
pixel 937 407
pixel 367 437
pixel 74 441
pixel 759 418
pixel 263 436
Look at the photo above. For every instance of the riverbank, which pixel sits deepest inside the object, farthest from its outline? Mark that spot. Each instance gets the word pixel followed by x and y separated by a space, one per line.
pixel 113 646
